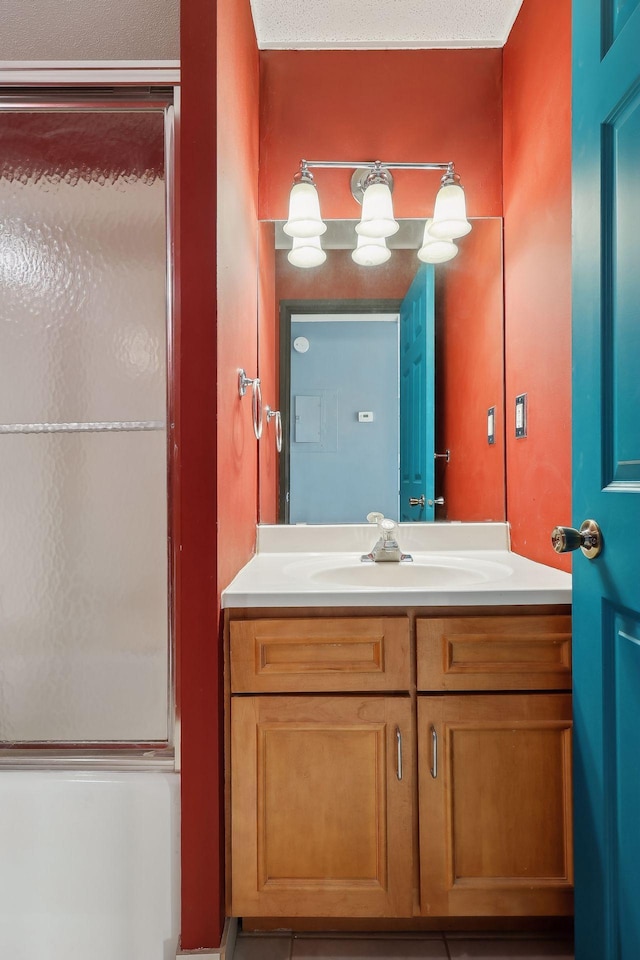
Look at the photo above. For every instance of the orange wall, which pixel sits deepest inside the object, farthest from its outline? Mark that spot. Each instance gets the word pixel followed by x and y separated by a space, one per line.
pixel 393 105
pixel 437 105
pixel 237 168
pixel 537 212
pixel 470 376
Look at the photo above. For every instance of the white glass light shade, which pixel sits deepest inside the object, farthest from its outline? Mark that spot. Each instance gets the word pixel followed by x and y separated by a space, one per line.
pixel 435 251
pixel 304 212
pixel 306 252
pixel 450 213
pixel 377 213
pixel 371 251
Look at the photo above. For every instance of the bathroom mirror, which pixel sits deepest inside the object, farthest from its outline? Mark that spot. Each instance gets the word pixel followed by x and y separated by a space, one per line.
pixel 329 360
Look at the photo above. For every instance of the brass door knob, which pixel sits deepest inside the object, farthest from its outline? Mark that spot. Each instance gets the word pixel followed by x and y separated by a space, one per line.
pixel 588 538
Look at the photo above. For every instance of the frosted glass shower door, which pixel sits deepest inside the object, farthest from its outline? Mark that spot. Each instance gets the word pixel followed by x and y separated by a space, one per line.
pixel 84 638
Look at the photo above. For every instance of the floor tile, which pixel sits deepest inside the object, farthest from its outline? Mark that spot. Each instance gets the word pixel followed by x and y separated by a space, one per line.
pixel 368 949
pixel 367 935
pixel 260 947
pixel 504 949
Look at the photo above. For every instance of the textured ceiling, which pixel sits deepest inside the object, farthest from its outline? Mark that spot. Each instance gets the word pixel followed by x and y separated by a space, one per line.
pixel 89 30
pixel 370 24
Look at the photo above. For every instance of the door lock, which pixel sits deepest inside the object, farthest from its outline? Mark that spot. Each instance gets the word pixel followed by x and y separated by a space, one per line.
pixel 588 538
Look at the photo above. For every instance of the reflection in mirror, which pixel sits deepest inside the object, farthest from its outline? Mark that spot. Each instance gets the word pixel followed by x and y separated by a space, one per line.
pixel 355 414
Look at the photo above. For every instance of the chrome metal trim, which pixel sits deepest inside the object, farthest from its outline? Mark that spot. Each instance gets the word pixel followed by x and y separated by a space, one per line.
pixel 79 105
pixel 371 164
pixel 256 399
pixel 151 758
pixel 116 426
pixel 172 112
pixel 256 407
pixel 88 73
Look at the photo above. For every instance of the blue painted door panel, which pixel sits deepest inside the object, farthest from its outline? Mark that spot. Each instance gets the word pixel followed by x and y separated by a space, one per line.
pixel 417 396
pixel 341 467
pixel 606 476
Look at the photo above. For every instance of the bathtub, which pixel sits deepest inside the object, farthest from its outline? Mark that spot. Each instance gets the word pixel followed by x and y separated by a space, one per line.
pixel 89 865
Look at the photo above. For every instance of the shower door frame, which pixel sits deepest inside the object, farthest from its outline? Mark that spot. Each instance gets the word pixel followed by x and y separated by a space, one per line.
pixel 50 87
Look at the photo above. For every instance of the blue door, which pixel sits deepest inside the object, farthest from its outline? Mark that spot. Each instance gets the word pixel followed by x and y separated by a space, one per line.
pixel 417 397
pixel 343 444
pixel 606 466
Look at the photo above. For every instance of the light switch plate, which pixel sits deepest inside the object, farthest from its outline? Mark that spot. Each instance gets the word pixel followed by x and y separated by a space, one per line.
pixel 521 415
pixel 491 425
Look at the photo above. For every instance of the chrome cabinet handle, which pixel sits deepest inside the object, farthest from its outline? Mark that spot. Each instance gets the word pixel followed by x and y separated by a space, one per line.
pixel 588 538
pixel 398 753
pixel 277 416
pixel 438 502
pixel 434 752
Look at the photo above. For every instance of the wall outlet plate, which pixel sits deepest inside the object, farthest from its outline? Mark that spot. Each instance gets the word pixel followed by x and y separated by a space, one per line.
pixel 521 415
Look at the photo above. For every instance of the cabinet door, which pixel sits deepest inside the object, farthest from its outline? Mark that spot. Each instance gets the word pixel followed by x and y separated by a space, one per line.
pixel 321 806
pixel 495 805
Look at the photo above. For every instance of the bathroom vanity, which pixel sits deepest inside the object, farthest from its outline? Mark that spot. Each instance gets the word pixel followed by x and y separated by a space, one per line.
pixel 398 748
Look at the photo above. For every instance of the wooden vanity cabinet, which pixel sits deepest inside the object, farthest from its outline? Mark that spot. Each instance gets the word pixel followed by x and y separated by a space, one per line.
pixel 494 780
pixel 338 800
pixel 322 785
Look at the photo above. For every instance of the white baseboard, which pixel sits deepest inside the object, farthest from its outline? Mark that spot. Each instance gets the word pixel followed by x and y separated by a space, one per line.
pixel 201 954
pixel 224 951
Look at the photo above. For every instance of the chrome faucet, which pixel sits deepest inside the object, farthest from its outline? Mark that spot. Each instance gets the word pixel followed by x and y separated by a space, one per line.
pixel 386 547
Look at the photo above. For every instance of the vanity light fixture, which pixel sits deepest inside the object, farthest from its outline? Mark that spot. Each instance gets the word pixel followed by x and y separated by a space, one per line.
pixel 377 218
pixel 433 250
pixel 371 251
pixel 372 185
pixel 304 207
pixel 450 213
pixel 306 252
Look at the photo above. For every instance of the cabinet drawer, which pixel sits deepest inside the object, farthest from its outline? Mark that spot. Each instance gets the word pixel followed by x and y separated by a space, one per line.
pixel 494 653
pixel 324 654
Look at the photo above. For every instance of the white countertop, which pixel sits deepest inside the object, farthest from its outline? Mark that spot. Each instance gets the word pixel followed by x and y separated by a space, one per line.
pixel 303 566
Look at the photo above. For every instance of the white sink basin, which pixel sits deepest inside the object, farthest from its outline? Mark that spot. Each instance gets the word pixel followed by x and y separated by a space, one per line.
pixel 427 571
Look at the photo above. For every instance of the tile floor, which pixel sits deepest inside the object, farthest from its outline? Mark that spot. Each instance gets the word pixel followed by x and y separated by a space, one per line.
pixel 430 946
